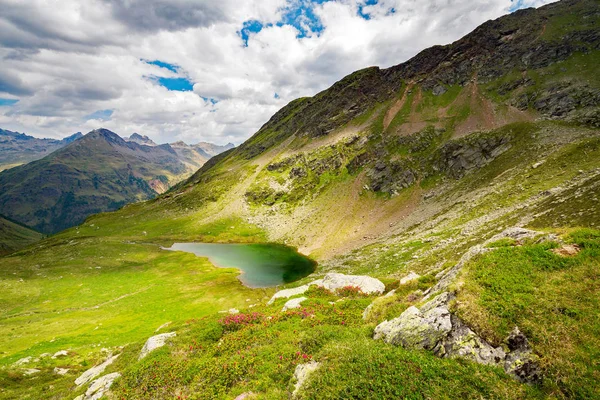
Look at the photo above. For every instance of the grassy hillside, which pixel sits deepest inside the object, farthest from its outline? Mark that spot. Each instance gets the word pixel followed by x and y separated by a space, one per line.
pixel 14 236
pixel 386 173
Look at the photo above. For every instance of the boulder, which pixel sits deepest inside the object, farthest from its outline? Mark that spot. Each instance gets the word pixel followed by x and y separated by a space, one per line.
pixel 293 303
pixel 155 342
pixel 414 329
pixel 521 362
pixel 95 371
pixel 333 281
pixel 302 373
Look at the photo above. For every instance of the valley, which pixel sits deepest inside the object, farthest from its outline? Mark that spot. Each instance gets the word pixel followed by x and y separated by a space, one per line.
pixel 460 186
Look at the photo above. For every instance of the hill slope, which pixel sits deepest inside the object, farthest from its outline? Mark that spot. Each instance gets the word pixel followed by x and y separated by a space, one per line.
pixel 14 236
pixel 409 170
pixel 99 172
pixel 18 148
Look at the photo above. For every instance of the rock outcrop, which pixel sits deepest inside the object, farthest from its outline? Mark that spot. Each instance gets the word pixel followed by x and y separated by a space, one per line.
pixel 155 342
pixel 99 387
pixel 433 327
pixel 95 371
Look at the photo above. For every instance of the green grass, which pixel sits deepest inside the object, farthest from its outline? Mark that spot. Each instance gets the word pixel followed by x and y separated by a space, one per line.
pixel 14 236
pixel 553 299
pixel 217 358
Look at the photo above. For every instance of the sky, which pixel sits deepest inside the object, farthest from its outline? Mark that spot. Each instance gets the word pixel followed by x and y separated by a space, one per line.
pixel 202 70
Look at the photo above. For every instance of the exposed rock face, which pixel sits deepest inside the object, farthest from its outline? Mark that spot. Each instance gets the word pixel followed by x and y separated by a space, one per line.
pixel 293 303
pixel 22 361
pixel 31 371
pixel 95 371
pixel 459 157
pixel 368 285
pixel 521 362
pixel 417 329
pixel 302 373
pixel 155 342
pixel 433 327
pixel 99 387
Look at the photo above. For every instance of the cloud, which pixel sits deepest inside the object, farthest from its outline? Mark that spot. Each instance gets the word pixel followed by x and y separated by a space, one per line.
pixel 171 15
pixel 208 70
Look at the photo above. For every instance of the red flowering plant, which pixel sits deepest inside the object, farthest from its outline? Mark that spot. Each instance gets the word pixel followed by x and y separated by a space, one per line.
pixel 350 291
pixel 237 321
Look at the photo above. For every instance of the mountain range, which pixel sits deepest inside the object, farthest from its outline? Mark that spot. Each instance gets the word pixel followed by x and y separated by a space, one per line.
pixel 459 190
pixel 19 148
pixel 93 173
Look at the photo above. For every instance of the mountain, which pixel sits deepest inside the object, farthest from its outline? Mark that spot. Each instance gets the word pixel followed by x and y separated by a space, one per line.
pixel 14 236
pixel 19 148
pixel 463 184
pixel 96 173
pixel 139 139
pixel 210 150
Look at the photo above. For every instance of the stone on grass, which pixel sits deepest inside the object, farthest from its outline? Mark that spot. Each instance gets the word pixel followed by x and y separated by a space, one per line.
pixel 334 281
pixel 302 373
pixel 293 303
pixel 62 353
pixel 23 361
pixel 95 371
pixel 60 371
pixel 409 278
pixel 155 342
pixel 287 293
pixel 30 371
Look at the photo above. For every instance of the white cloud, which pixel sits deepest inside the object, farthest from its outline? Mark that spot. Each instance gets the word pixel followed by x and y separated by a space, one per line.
pixel 66 59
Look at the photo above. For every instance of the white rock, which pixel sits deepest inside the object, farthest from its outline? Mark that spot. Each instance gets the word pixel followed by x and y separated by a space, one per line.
pixel 302 373
pixel 100 386
pixel 233 311
pixel 409 278
pixel 60 371
pixel 390 293
pixel 287 293
pixel 22 361
pixel 155 342
pixel 30 371
pixel 44 355
pixel 293 303
pixel 62 353
pixel 94 371
pixel 367 284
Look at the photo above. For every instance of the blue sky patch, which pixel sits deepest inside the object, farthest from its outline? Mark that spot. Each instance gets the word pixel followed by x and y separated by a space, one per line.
pixel 8 102
pixel 364 15
pixel 252 26
pixel 210 100
pixel 102 115
pixel 300 14
pixel 175 84
pixel 276 96
pixel 162 64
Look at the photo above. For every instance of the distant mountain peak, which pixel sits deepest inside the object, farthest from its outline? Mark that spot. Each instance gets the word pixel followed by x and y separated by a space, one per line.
pixel 141 139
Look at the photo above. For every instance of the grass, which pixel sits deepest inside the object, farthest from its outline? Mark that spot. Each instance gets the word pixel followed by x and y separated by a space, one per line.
pixel 551 298
pixel 14 236
pixel 218 358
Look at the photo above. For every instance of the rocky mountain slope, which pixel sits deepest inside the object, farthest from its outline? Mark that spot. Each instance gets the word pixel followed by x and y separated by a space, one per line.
pixel 462 186
pixel 19 148
pixel 98 172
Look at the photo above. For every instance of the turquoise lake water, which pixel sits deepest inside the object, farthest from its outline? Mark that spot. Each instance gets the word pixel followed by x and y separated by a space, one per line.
pixel 262 265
